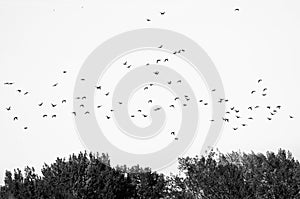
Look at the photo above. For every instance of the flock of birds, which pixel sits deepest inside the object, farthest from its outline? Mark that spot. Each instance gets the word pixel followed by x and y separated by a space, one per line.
pixel 232 114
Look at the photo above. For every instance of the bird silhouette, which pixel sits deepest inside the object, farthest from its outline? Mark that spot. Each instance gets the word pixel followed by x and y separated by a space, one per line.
pixel 125 63
pixel 235 128
pixel 291 117
pixel 176 98
pixel 200 100
pixel 82 79
pixel 250 108
pixel 278 107
pixel 265 89
pixel 45 116
pixel 256 107
pixel 205 104
pixel 87 112
pixel 160 46
pixel 156 72
pixel 53 116
pixel 8 109
pixel 244 124
pixel 81 105
pixel 84 97
pixel 186 104
pixel 15 118
pixel 158 60
pixel 172 106
pixel 162 13
pixel 8 83
pixel 53 105
pixel 107 94
pixel 26 93
pixel 145 115
pixel 74 113
pixel 148 19
pixel 107 117
pixel 54 85
pixel 269 107
pixel 98 87
pixel 213 90
pixel 41 104
pixel 212 120
pixel 176 138
pixel 128 66
pixel 269 118
pixel 120 102
pixel 260 80
pixel 132 116
pixel 139 110
pixel 169 82
pixel 264 94
pixel 253 92
pixel 146 88
pixel 25 128
pixel 232 108
pixel 172 133
pixel 179 81
pixel 19 90
pixel 237 9
pixel 64 101
pixel 250 118
pixel 237 111
pixel 238 116
pixel 157 109
pixel 166 60
pixel 149 101
pixel 99 106
pixel 64 71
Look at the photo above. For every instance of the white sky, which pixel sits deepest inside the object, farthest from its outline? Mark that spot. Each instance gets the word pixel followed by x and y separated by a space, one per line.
pixel 39 39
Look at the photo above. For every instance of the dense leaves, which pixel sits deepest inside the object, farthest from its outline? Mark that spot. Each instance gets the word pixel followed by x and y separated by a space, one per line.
pixel 214 176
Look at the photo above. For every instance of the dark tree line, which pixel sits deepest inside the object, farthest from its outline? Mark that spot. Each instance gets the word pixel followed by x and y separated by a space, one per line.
pixel 214 176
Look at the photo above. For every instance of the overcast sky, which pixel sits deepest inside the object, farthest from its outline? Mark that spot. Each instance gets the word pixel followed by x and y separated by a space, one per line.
pixel 40 39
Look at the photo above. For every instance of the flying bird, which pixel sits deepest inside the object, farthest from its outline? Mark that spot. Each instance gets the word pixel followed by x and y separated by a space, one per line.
pixel 259 80
pixel 84 97
pixel 146 88
pixel 74 113
pixel 160 46
pixel 235 128
pixel 128 66
pixel 87 112
pixel 265 89
pixel 244 124
pixel 107 94
pixel 158 61
pixel 19 90
pixel 53 116
pixel 107 117
pixel 237 9
pixel 162 13
pixel 15 118
pixel 172 133
pixel 172 106
pixel 98 87
pixel 166 60
pixel 81 105
pixel 179 81
pixel 41 104
pixel 169 82
pixel 125 63
pixel 176 98
pixel 264 94
pixel 278 107
pixel 291 117
pixel 250 108
pixel 149 101
pixel 156 72
pixel 250 118
pixel 8 109
pixel 53 105
pixel 45 116
pixel 26 93
pixel 253 92
pixel 269 118
pixel 64 101
pixel 54 85
pixel 148 19
pixel 145 115
pixel 213 90
pixel 99 106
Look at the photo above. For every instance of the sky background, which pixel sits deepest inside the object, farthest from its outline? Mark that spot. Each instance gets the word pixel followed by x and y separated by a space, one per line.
pixel 39 39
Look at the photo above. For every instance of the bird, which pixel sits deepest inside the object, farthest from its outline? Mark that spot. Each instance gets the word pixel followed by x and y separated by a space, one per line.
pixel 87 112
pixel 169 82
pixel 225 119
pixel 82 79
pixel 259 80
pixel 145 115
pixel 227 112
pixel 200 100
pixel 54 85
pixel 125 63
pixel 179 81
pixel 74 113
pixel 269 107
pixel 53 116
pixel 53 105
pixel 291 117
pixel 81 105
pixel 26 93
pixel 64 71
pixel 148 19
pixel 8 109
pixel 162 13
pixel 176 98
pixel 64 101
pixel 265 89
pixel 166 60
pixel 107 94
pixel 272 113
pixel 237 111
pixel 250 118
pixel 84 97
pixel 41 104
pixel 172 106
pixel 158 61
pixel 160 46
pixel 172 133
pixel 15 118
pixel 176 138
pixel 157 109
pixel 253 92
pixel 151 84
pixel 269 118
pixel 213 90
pixel 232 108
pixel 250 108
pixel 140 110
pixel 19 90
pixel 146 88
pixel 186 104
pixel 238 116
pixel 132 116
pixel 25 128
pixel 98 87
pixel 120 102
pixel 99 106
pixel 149 101
pixel 107 117
pixel 237 9
pixel 256 106
pixel 226 100
pixel 212 120
pixel 205 104
pixel 8 83
pixel 156 72
pixel 264 94
pixel 235 128
pixel 244 124
pixel 278 107
pixel 128 66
